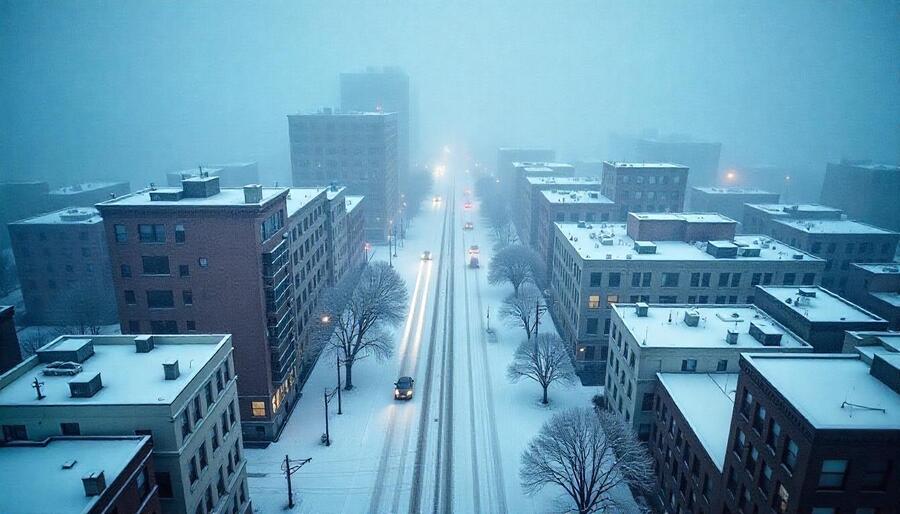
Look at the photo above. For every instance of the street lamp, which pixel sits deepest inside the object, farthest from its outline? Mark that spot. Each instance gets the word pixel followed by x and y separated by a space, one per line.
pixel 367 247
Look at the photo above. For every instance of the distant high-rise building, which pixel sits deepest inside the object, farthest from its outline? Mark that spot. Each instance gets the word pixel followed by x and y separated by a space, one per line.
pixel 249 262
pixel 87 194
pixel 383 89
pixel 701 157
pixel 62 260
pixel 357 150
pixel 644 186
pixel 865 191
pixel 728 200
pixel 507 157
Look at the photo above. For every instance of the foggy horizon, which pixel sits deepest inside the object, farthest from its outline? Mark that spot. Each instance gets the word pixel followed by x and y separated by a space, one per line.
pixel 134 90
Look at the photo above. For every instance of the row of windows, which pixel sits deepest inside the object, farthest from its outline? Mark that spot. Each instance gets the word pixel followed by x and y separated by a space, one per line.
pixel 652 179
pixel 863 248
pixel 159 265
pixel 160 298
pixel 65 251
pixel 673 279
pixel 62 235
pixel 149 233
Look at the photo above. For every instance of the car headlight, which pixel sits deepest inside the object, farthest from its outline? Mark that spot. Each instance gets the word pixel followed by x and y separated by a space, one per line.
pixel 408 394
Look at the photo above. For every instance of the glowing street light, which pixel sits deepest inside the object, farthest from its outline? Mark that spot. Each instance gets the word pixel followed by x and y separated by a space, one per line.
pixel 731 175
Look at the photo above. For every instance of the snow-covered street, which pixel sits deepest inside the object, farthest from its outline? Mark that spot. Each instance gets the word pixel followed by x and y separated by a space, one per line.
pixel 456 445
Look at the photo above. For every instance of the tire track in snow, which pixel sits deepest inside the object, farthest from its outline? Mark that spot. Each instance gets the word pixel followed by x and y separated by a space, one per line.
pixel 476 493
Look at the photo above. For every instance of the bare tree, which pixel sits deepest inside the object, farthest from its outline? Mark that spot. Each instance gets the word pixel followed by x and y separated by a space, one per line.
pixel 87 311
pixel 520 310
pixel 362 312
pixel 515 264
pixel 587 454
pixel 35 339
pixel 543 359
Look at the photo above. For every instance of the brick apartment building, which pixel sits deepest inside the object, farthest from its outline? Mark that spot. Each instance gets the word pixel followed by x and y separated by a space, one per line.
pixel 644 187
pixel 250 262
pixel 814 433
pixel 697 259
pixel 876 288
pixel 354 149
pixel 64 268
pixel 729 201
pixel 356 231
pixel 180 390
pixel 528 190
pixel 816 314
pixel 77 475
pixel 86 194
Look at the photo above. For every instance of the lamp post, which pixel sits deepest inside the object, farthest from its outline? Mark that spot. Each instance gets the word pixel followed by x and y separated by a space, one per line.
pixel 367 247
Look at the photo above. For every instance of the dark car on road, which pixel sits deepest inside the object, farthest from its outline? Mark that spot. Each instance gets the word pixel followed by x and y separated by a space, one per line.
pixel 403 388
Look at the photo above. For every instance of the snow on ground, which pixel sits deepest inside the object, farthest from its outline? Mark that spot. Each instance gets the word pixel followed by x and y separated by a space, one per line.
pixel 370 464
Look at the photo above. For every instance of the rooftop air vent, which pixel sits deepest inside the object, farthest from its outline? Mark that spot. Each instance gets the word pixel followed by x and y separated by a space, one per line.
pixel 644 247
pixel 94 483
pixel 253 193
pixel 797 256
pixel 731 336
pixel 722 249
pixel 165 196
pixel 170 370
pixel 582 224
pixel 766 334
pixel 806 293
pixel 86 387
pixel 607 241
pixel 143 343
pixel 67 350
pixel 641 309
pixel 691 317
pixel 749 251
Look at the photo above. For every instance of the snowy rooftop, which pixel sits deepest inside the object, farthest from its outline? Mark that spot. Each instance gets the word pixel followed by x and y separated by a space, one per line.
pixel 656 329
pixel 887 268
pixel 81 188
pixel 299 197
pixel 68 216
pixel 335 191
pixel 563 196
pixel 643 165
pixel 706 400
pixel 621 246
pixel 875 166
pixel 831 391
pixel 563 181
pixel 529 164
pixel 353 201
pixel 833 227
pixel 794 208
pixel 733 191
pixel 128 377
pixel 227 196
pixel 825 306
pixel 34 481
pixel 890 298
pixel 337 112
pixel 690 217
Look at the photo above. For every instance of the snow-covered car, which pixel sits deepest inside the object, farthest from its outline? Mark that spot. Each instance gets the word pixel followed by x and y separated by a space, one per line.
pixel 468 226
pixel 403 388
pixel 60 368
pixel 436 199
pixel 426 255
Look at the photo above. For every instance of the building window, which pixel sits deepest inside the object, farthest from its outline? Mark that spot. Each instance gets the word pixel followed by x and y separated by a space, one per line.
pixel 152 233
pixel 593 301
pixel 192 472
pixel 773 433
pixel 14 433
pixel 790 454
pixel 204 461
pixel 722 365
pixel 125 270
pixel 70 428
pixel 129 297
pixel 155 265
pixel 204 262
pixel 735 280
pixel 781 500
pixel 789 279
pixel 647 402
pixel 121 233
pixel 746 404
pixel 258 409
pixel 190 325
pixel 689 365
pixel 592 324
pixel 160 299
pixel 142 483
pixel 723 279
pixel 606 323
pixel 612 299
pixel 179 233
pixel 164 484
pixel 615 279
pixel 670 280
pixel 187 296
pixel 163 326
pixel 833 473
pixel 759 419
pixel 668 299
pixel 875 475
pixel 596 279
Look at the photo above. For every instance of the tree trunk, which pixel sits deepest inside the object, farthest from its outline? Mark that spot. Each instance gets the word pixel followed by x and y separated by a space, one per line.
pixel 348 375
pixel 516 288
pixel 545 401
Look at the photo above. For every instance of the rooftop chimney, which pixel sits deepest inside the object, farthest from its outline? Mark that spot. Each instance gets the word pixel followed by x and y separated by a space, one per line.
pixel 170 370
pixel 731 337
pixel 143 343
pixel 94 483
pixel 641 309
pixel 252 193
pixel 200 187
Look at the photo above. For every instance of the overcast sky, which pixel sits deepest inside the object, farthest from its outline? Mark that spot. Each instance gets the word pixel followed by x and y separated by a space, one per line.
pixel 135 89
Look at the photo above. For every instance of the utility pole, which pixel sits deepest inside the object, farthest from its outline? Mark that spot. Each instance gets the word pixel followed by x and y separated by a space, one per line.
pixel 338 356
pixel 327 434
pixel 290 470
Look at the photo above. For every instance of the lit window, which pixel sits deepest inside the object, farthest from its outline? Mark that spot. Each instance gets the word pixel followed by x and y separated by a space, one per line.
pixel 594 301
pixel 258 409
pixel 612 299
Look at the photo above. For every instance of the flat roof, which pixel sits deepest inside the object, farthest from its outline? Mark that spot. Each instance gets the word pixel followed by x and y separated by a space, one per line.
pixel 786 208
pixel 299 197
pixel 883 268
pixel 563 180
pixel 892 299
pixel 333 192
pixel 690 217
pixel 128 377
pixel 353 201
pixel 874 166
pixel 541 165
pixel 227 197
pixel 84 187
pixel 706 400
pixel 824 307
pixel 655 329
pixel 833 227
pixel 338 112
pixel 643 165
pixel 564 196
pixel 34 481
pixel 831 390
pixel 622 247
pixel 733 191
pixel 67 216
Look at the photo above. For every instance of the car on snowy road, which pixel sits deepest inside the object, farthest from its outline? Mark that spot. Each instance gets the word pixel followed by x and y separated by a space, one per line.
pixel 468 226
pixel 426 255
pixel 403 388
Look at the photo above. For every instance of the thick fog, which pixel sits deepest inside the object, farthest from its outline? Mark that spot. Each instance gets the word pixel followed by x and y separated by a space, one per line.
pixel 134 89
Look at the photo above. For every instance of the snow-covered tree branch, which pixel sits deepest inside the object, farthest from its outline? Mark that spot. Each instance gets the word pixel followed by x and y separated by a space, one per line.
pixel 545 360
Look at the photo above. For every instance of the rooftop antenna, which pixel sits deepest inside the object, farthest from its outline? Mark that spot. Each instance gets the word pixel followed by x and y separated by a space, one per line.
pixel 37 387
